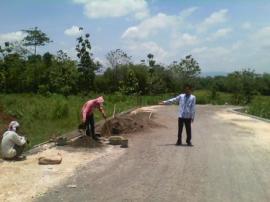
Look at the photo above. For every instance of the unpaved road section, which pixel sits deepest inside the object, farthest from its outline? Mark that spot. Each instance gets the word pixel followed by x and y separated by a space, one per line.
pixel 230 161
pixel 25 180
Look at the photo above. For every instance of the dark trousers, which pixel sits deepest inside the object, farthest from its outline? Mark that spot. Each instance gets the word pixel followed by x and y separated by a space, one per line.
pixel 19 150
pixel 90 125
pixel 181 123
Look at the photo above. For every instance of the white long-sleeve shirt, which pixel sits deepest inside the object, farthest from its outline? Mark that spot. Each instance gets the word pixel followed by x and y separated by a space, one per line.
pixel 11 138
pixel 186 105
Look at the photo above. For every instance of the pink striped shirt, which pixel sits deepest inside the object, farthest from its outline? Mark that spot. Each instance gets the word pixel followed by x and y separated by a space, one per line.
pixel 88 108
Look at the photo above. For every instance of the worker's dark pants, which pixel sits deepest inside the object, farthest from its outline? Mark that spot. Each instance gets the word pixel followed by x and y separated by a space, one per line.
pixel 90 125
pixel 19 150
pixel 181 122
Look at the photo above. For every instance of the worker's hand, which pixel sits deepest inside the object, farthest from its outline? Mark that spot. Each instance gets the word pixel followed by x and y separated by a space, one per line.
pixel 104 116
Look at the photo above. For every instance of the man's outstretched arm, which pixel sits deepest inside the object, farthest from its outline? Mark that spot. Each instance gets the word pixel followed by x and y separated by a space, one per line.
pixel 170 101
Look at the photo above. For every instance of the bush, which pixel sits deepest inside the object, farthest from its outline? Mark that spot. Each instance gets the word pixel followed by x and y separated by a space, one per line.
pixel 260 106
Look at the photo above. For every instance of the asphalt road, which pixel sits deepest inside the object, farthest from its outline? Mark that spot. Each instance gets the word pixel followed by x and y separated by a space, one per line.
pixel 228 162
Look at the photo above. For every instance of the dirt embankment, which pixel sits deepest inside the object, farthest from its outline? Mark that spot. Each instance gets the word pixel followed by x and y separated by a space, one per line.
pixel 134 121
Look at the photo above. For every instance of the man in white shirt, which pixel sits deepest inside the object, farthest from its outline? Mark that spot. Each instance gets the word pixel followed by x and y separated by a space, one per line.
pixel 186 116
pixel 12 144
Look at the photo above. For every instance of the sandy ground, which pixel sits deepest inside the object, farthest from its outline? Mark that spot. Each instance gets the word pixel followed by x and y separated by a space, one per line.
pixel 25 180
pixel 228 162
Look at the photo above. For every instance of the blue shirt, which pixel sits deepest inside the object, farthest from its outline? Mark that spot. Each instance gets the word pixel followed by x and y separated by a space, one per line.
pixel 186 105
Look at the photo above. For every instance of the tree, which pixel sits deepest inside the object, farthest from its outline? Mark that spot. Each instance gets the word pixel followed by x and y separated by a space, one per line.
pixel 117 57
pixel 151 63
pixel 63 75
pixel 130 85
pixel 35 37
pixel 186 71
pixel 243 85
pixel 87 66
pixel 151 60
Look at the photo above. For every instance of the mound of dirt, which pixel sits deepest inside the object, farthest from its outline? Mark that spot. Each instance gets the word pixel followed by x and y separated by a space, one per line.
pixel 129 123
pixel 84 141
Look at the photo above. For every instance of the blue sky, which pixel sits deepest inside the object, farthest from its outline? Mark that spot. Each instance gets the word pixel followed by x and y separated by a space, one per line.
pixel 223 36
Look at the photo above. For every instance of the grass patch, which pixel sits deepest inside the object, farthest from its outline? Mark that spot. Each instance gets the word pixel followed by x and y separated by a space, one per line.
pixel 207 97
pixel 260 106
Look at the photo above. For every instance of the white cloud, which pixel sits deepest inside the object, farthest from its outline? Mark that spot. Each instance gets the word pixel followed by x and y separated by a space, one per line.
pixel 144 48
pixel 12 36
pixel 246 25
pixel 184 40
pixel 221 33
pixel 114 8
pixel 188 12
pixel 149 26
pixel 262 38
pixel 73 31
pixel 215 18
pixel 263 33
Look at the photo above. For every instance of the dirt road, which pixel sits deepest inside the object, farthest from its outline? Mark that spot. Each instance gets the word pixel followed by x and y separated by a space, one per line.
pixel 230 161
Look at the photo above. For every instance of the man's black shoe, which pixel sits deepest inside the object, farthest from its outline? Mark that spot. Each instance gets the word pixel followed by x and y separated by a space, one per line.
pixel 189 144
pixel 178 143
pixel 96 138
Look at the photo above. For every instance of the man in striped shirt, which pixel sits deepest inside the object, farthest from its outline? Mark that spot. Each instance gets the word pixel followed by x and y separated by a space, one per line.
pixel 186 115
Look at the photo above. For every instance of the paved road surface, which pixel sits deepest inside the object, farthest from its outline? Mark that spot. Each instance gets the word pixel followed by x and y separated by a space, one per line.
pixel 230 161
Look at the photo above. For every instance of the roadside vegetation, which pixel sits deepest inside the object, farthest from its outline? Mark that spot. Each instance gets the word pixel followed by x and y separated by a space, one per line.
pixel 44 117
pixel 46 91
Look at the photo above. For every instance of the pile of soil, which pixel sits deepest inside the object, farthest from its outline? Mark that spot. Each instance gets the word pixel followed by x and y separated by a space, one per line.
pixel 84 141
pixel 128 123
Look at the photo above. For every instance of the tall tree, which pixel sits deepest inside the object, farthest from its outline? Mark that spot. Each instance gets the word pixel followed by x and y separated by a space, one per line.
pixel 186 71
pixel 87 66
pixel 35 37
pixel 151 60
pixel 117 57
pixel 151 63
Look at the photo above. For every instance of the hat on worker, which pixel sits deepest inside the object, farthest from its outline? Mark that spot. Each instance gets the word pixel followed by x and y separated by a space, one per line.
pixel 13 126
pixel 100 100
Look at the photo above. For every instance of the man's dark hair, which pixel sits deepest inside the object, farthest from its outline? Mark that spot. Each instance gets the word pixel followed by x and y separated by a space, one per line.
pixel 187 86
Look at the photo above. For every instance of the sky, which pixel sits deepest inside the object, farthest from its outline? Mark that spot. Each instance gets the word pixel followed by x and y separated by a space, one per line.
pixel 222 35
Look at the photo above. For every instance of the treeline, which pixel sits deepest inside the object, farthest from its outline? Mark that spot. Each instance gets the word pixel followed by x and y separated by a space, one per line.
pixel 24 71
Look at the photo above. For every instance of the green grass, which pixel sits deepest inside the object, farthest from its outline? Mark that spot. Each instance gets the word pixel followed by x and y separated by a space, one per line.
pixel 205 97
pixel 260 106
pixel 43 117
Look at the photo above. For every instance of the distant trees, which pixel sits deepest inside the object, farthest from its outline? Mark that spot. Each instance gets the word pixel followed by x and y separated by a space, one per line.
pixel 243 85
pixel 35 37
pixel 21 71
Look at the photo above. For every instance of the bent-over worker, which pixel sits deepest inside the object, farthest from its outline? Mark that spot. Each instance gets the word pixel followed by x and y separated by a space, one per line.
pixel 88 115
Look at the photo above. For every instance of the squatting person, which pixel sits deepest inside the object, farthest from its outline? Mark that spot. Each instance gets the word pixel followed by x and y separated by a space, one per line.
pixel 88 115
pixel 12 144
pixel 187 103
